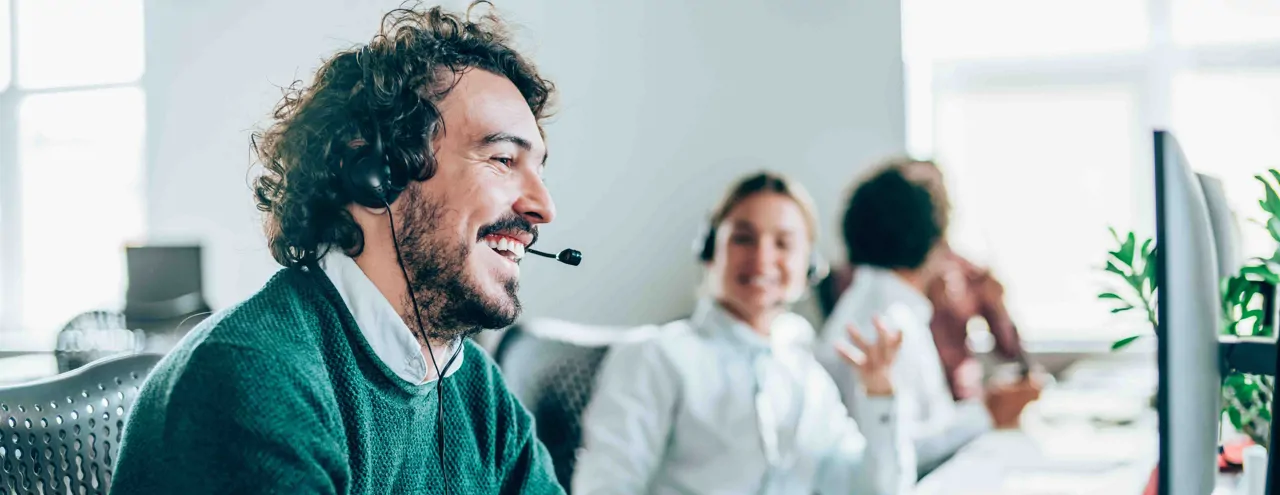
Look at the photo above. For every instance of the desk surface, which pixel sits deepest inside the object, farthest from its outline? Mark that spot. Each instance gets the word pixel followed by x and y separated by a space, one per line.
pixel 1095 432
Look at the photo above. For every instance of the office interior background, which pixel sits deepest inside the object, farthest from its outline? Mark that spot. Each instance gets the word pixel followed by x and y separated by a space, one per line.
pixel 127 123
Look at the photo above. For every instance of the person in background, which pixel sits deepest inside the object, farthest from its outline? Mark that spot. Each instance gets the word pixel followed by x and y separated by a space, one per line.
pixel 400 190
pixel 960 292
pixel 894 231
pixel 730 400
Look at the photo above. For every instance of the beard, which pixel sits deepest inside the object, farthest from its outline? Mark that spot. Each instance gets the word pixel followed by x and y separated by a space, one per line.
pixel 448 298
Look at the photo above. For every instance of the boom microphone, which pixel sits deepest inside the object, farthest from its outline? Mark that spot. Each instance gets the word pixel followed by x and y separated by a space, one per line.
pixel 568 256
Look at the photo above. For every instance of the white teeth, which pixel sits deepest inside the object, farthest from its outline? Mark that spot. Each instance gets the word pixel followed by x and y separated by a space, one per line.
pixel 506 245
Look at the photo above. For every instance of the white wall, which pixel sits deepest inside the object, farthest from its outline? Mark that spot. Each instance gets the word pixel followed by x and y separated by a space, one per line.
pixel 663 102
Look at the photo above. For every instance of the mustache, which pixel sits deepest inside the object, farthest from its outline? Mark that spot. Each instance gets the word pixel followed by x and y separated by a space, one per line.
pixel 509 223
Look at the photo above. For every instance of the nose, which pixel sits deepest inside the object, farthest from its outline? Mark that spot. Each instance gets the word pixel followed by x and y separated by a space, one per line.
pixel 534 203
pixel 764 256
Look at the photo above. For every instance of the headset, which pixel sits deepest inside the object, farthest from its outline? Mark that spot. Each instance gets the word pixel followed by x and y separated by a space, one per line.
pixel 704 246
pixel 370 178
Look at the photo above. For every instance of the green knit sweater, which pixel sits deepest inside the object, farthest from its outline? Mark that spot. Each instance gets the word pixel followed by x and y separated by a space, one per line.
pixel 282 394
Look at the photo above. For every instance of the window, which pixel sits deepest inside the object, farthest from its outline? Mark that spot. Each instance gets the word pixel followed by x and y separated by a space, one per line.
pixel 5 49
pixel 1040 112
pixel 1225 22
pixel 71 156
pixel 1232 122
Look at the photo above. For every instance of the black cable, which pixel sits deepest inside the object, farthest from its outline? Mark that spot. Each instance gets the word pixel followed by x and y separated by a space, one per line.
pixel 439 376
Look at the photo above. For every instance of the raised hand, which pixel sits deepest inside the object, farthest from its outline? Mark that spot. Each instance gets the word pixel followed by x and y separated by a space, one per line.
pixel 874 362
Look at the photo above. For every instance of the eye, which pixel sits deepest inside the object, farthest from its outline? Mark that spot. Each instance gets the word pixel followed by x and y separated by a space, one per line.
pixel 741 239
pixel 504 160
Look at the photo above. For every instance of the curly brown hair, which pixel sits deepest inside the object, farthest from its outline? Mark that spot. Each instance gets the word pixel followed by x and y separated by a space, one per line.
pixel 389 87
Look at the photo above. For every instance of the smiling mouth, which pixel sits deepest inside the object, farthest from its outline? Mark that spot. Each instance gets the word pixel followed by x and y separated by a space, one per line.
pixel 756 281
pixel 508 247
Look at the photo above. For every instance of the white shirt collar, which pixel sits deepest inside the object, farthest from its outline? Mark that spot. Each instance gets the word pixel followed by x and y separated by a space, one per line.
pixel 381 325
pixel 788 328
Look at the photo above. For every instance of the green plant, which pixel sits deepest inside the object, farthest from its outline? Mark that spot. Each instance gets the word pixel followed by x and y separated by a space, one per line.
pixel 1136 267
pixel 1246 397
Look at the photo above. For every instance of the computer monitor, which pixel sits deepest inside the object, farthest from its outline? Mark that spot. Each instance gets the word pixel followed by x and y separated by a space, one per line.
pixel 164 282
pixel 1189 314
pixel 1226 229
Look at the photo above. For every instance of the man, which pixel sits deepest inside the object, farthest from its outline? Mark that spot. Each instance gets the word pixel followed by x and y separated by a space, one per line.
pixel 892 232
pixel 328 379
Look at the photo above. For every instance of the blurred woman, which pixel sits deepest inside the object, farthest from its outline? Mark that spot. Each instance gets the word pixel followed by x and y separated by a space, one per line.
pixel 723 402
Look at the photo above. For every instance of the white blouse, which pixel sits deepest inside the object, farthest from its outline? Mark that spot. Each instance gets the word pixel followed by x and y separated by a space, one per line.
pixel 709 406
pixel 937 424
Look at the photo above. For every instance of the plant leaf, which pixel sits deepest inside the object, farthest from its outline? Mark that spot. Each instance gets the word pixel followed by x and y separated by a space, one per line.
pixel 1261 271
pixel 1110 295
pixel 1274 175
pixel 1122 308
pixel 1127 249
pixel 1272 203
pixel 1273 227
pixel 1233 288
pixel 1122 343
pixel 1111 267
pixel 1236 421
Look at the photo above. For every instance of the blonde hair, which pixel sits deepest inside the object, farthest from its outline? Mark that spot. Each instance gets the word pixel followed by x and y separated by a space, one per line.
pixel 766 182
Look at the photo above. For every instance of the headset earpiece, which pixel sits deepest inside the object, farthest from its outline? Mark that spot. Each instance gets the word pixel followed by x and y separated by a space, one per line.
pixel 369 178
pixel 818 267
pixel 704 246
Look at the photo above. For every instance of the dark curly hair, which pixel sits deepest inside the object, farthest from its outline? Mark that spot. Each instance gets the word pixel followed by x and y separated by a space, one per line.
pixel 891 222
pixel 389 87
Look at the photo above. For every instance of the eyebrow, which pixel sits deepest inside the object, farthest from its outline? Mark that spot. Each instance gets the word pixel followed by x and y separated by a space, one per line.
pixel 751 227
pixel 503 137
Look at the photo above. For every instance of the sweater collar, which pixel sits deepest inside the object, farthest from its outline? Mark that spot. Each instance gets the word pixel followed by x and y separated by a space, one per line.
pixel 391 340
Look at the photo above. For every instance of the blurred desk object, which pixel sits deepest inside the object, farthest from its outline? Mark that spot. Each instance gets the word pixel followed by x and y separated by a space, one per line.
pixel 1094 432
pixel 165 298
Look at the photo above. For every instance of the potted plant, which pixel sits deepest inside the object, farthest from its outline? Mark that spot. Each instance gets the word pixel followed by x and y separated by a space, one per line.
pixel 1246 397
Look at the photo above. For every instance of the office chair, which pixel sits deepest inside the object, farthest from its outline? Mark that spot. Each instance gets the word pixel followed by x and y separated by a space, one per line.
pixel 60 435
pixel 551 365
